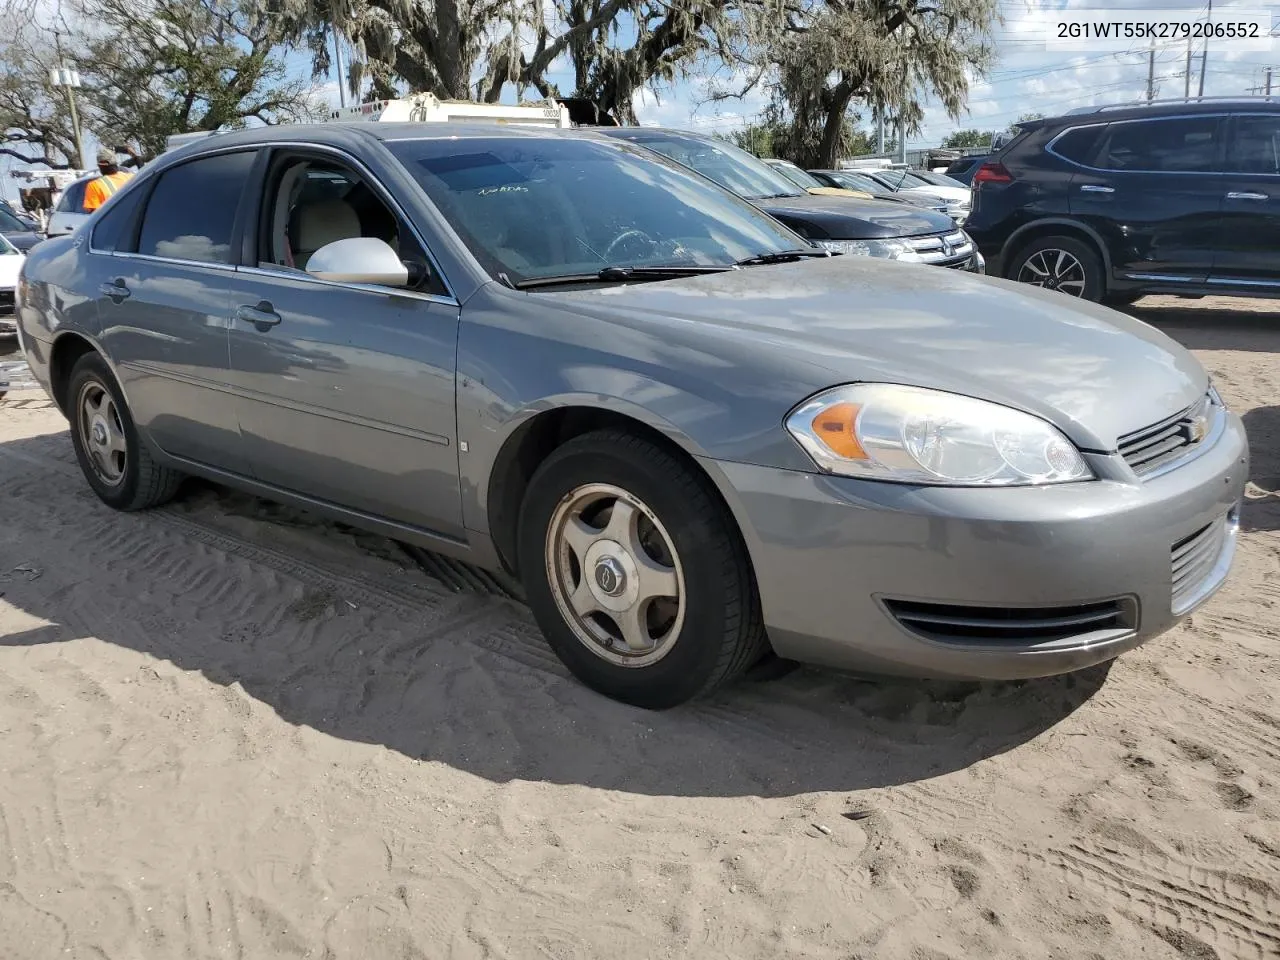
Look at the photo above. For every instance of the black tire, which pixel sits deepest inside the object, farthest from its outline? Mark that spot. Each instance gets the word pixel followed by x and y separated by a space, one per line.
pixel 722 633
pixel 143 482
pixel 1092 273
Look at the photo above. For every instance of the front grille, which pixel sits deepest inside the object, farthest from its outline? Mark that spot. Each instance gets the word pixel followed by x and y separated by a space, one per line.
pixel 944 249
pixel 1151 447
pixel 1193 559
pixel 1015 626
pixel 6 303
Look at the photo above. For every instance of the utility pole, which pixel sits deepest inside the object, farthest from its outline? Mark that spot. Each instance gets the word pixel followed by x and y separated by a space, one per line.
pixel 1151 73
pixel 69 80
pixel 1186 89
pixel 1268 81
pixel 337 60
pixel 1204 57
pixel 880 136
pixel 902 141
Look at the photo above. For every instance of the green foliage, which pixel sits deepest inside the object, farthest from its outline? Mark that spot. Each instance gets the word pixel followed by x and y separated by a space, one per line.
pixel 969 138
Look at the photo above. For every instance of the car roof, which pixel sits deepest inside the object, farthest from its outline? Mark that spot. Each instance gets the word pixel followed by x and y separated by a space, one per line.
pixel 1179 106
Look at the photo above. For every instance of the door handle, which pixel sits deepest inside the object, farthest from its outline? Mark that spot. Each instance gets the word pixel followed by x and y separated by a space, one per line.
pixel 261 316
pixel 1246 196
pixel 1096 188
pixel 115 290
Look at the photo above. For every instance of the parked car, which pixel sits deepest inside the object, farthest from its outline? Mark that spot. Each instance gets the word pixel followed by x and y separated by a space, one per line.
pixel 811 184
pixel 18 233
pixel 1114 203
pixel 962 170
pixel 692 436
pixel 939 179
pixel 860 181
pixel 843 224
pixel 69 212
pixel 11 260
pixel 907 183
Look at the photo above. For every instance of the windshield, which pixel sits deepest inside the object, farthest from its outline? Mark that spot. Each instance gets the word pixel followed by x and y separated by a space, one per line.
pixel 856 181
pixel 940 179
pixel 532 207
pixel 899 179
pixel 11 224
pixel 797 176
pixel 6 247
pixel 731 167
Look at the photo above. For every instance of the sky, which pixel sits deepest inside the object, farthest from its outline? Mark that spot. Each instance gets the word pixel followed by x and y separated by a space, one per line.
pixel 1026 76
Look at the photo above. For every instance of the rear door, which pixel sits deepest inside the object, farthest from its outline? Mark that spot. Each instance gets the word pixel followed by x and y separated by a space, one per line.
pixel 1153 191
pixel 165 305
pixel 1249 239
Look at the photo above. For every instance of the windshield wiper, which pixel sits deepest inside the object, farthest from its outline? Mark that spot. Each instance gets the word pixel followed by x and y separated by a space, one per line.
pixel 778 196
pixel 783 256
pixel 621 274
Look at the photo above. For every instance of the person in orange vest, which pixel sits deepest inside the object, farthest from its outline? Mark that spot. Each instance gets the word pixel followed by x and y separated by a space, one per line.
pixel 113 178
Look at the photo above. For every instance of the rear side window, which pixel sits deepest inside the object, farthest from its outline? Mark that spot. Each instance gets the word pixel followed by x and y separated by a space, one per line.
pixel 192 209
pixel 114 230
pixel 73 198
pixel 1078 145
pixel 1255 148
pixel 1173 145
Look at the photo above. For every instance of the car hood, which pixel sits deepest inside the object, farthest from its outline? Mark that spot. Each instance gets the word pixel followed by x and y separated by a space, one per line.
pixel 848 218
pixel 1094 372
pixel 24 240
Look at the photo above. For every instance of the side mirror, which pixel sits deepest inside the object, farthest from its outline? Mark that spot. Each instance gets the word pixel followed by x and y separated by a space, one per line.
pixel 359 260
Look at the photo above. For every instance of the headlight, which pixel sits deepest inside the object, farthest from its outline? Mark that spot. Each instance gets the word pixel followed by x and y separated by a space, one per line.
pixel 888 249
pixel 883 431
pixel 1215 397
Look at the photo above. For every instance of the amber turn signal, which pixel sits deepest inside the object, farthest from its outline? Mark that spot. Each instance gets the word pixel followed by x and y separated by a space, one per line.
pixel 834 426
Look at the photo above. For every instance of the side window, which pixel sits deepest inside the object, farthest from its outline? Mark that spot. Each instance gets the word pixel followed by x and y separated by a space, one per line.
pixel 312 202
pixel 192 209
pixel 1079 145
pixel 1173 145
pixel 1255 148
pixel 114 229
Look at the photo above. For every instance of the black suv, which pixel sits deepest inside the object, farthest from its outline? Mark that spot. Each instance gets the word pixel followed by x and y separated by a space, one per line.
pixel 1113 203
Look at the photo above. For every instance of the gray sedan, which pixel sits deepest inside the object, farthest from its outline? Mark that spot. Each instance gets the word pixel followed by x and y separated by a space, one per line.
pixel 692 435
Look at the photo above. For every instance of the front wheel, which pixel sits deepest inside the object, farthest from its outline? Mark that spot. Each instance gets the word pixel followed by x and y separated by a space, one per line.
pixel 635 572
pixel 1064 264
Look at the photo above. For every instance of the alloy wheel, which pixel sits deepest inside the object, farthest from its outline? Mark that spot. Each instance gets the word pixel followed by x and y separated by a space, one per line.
pixel 102 432
pixel 1054 269
pixel 615 575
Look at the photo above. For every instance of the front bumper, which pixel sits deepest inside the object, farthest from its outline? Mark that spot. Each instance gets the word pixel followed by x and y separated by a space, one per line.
pixel 925 581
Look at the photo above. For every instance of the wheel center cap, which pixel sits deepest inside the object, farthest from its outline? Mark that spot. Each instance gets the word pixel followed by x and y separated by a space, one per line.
pixel 99 433
pixel 610 577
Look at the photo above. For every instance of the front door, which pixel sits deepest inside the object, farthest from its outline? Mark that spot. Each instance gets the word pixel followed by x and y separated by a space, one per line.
pixel 347 390
pixel 1153 191
pixel 164 307
pixel 1249 241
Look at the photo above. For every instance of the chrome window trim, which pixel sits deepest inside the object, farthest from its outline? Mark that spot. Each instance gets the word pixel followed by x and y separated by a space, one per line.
pixel 151 258
pixel 1048 147
pixel 303 145
pixel 363 287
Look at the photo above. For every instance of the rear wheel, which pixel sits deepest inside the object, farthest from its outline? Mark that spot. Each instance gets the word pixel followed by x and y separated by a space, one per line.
pixel 635 572
pixel 1064 264
pixel 118 466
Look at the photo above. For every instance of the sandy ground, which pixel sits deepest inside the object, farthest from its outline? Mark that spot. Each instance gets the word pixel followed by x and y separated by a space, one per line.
pixel 227 730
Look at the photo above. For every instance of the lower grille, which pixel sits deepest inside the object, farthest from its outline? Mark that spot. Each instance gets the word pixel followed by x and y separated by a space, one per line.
pixel 1015 626
pixel 944 249
pixel 1146 449
pixel 1193 560
pixel 6 303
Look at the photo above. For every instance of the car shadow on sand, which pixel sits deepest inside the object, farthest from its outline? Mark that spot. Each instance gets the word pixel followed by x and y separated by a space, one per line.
pixel 1233 326
pixel 472 684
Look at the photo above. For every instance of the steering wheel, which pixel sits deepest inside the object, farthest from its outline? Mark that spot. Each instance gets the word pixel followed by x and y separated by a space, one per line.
pixel 624 237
